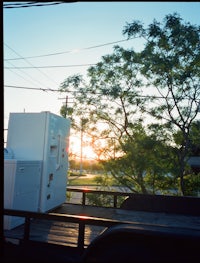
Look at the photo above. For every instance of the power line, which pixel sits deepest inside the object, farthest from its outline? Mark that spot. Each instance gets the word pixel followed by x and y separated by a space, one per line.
pixel 24 73
pixel 30 64
pixel 70 91
pixel 21 87
pixel 70 51
pixel 57 66
pixel 19 4
pixel 34 3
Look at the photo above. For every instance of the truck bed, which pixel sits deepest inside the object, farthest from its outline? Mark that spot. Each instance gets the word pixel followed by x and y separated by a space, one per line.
pixel 75 233
pixel 66 233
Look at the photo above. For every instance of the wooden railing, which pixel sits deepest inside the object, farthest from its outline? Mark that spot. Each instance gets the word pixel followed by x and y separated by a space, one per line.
pixel 80 220
pixel 86 191
pixel 171 204
pixel 187 205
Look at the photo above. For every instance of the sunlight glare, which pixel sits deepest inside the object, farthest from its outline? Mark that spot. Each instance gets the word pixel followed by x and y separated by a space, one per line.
pixel 75 148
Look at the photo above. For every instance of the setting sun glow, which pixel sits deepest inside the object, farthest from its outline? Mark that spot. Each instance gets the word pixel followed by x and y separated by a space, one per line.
pixel 76 149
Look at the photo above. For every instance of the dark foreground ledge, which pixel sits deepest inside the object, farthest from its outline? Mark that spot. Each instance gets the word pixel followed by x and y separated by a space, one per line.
pixel 36 252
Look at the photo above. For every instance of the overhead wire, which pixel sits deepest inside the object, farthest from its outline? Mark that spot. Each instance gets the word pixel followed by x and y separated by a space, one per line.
pixel 30 88
pixel 31 64
pixel 35 4
pixel 19 4
pixel 54 66
pixel 71 51
pixel 70 91
pixel 59 53
pixel 24 73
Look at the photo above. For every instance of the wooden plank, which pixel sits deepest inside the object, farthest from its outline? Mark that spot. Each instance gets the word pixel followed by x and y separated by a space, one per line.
pixel 62 233
pixel 137 217
pixel 65 233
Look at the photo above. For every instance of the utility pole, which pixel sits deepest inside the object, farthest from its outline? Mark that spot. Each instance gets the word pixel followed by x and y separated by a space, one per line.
pixel 82 124
pixel 65 104
pixel 81 160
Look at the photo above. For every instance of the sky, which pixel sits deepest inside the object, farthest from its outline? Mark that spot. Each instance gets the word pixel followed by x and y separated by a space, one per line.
pixel 65 39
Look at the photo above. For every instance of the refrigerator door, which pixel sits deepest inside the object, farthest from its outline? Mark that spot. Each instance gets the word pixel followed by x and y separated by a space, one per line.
pixel 21 188
pixel 55 163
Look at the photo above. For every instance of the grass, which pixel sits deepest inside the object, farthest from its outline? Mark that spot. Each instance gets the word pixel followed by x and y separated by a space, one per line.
pixel 80 180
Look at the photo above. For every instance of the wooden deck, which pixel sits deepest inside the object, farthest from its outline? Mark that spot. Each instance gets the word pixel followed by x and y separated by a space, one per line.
pixel 66 233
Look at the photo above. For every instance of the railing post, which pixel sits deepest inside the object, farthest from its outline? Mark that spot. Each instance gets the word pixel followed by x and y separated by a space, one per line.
pixel 81 235
pixel 84 197
pixel 27 229
pixel 115 201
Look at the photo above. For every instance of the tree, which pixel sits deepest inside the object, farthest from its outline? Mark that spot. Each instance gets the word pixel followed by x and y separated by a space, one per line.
pixel 113 102
pixel 193 159
pixel 171 62
pixel 146 165
pixel 194 140
pixel 110 101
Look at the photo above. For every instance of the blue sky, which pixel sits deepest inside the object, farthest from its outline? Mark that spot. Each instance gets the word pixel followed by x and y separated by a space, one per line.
pixel 66 27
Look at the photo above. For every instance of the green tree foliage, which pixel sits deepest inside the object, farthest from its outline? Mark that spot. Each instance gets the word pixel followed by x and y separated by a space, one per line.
pixel 145 159
pixel 171 63
pixel 110 101
pixel 194 140
pixel 101 199
pixel 192 182
pixel 66 111
pixel 192 173
pixel 146 165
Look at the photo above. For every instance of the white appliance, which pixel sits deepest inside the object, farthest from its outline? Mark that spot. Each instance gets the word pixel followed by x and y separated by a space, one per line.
pixel 8 153
pixel 43 136
pixel 21 188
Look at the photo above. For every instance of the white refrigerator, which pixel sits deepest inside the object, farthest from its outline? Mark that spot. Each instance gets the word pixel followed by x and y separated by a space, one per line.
pixel 21 188
pixel 43 136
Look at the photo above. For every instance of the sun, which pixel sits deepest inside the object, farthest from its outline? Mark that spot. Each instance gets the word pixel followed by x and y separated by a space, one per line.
pixel 83 151
pixel 88 153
